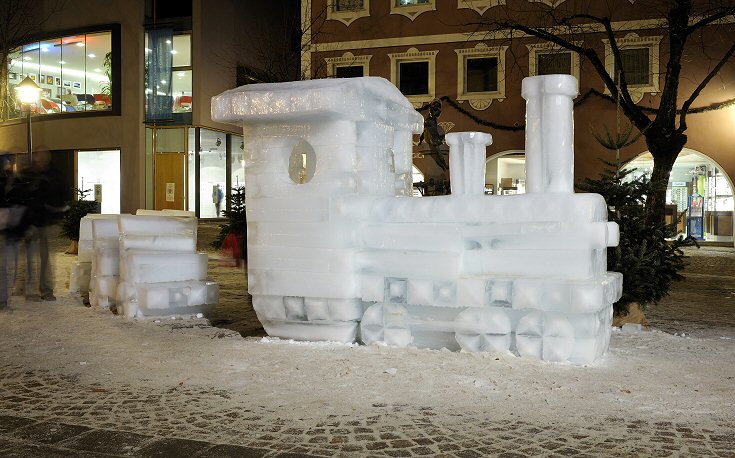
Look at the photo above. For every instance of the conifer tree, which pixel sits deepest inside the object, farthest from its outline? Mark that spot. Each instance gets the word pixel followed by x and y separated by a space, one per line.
pixel 236 222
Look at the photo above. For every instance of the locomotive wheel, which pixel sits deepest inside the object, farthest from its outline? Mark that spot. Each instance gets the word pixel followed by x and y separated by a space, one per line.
pixel 483 329
pixel 388 323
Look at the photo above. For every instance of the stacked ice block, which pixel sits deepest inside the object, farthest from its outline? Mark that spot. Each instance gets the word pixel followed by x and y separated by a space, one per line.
pixel 81 271
pixel 525 274
pixel 105 262
pixel 160 271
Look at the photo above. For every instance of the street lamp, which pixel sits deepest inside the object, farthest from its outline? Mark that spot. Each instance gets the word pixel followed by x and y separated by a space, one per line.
pixel 28 92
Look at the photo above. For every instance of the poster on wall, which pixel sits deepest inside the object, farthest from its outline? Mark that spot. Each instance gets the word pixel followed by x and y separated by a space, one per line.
pixel 170 191
pixel 77 85
pixel 58 81
pixel 49 79
pixel 98 193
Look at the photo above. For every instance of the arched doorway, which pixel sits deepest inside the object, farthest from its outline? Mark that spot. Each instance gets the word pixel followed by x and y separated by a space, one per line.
pixel 695 173
pixel 505 173
pixel 418 177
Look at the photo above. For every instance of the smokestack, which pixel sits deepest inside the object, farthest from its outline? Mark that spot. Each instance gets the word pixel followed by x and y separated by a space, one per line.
pixel 467 161
pixel 549 132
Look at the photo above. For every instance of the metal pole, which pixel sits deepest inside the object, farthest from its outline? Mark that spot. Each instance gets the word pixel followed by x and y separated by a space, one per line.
pixel 30 138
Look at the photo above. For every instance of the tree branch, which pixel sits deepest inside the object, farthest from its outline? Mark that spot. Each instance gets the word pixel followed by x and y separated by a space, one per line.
pixel 701 86
pixel 705 21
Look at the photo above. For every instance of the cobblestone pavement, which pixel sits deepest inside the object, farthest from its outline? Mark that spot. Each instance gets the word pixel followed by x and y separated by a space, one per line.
pixel 703 304
pixel 49 413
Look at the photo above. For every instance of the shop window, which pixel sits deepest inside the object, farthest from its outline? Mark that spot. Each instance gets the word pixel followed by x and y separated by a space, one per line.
pixel 212 173
pixel 348 65
pixel 481 75
pixel 417 176
pixel 99 173
pixel 237 161
pixel 75 73
pixel 505 173
pixel 694 173
pixel 640 62
pixel 412 8
pixel 347 11
pixel 413 73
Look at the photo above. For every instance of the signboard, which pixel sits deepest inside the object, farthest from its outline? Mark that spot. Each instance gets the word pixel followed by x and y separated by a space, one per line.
pixel 695 220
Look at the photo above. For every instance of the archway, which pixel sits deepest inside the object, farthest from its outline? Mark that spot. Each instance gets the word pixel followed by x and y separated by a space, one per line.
pixel 505 173
pixel 418 177
pixel 694 172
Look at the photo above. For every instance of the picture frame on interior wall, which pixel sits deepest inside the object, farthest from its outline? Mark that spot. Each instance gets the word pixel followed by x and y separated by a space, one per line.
pixel 12 76
pixel 32 76
pixel 58 81
pixel 49 80
pixel 67 83
pixel 77 85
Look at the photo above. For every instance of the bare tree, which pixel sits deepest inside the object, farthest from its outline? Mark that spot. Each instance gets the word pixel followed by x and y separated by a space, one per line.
pixel 685 25
pixel 272 49
pixel 20 20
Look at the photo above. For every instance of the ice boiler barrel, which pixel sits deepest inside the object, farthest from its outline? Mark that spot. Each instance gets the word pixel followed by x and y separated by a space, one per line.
pixel 549 132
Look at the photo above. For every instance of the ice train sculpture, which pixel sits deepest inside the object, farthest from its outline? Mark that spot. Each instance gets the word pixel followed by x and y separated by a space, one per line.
pixel 338 250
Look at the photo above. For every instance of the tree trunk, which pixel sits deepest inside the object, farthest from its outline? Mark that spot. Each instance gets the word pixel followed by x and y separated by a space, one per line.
pixel 5 99
pixel 664 149
pixel 73 248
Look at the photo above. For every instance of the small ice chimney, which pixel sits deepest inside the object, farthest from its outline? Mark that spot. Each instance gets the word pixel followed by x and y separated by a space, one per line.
pixel 549 132
pixel 467 161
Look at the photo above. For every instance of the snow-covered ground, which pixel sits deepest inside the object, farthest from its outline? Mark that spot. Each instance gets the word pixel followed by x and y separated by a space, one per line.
pixel 652 376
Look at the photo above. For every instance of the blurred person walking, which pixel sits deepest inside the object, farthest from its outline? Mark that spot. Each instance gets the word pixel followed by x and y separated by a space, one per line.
pixel 13 223
pixel 46 206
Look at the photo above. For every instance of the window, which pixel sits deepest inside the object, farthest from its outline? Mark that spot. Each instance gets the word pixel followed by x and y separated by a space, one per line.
pixel 640 62
pixel 412 8
pixel 481 75
pixel 413 78
pixel 554 64
pixel 347 11
pixel 75 73
pixel 352 71
pixel 636 65
pixel 349 5
pixel 413 73
pixel 171 55
pixel 479 5
pixel 550 59
pixel 348 66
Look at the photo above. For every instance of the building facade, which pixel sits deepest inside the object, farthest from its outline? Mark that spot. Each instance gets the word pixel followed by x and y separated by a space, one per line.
pixel 125 98
pixel 439 49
